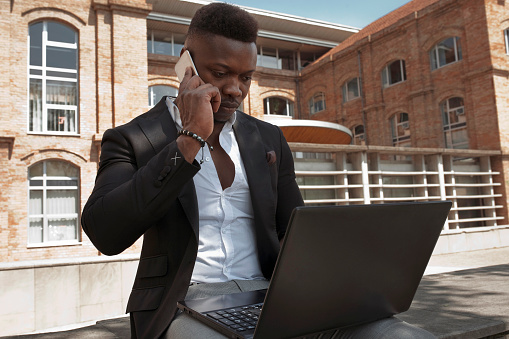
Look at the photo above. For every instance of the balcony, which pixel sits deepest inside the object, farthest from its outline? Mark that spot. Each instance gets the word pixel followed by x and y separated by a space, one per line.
pixel 348 174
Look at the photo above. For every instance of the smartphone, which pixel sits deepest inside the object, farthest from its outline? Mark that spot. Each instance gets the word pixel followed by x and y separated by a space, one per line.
pixel 184 62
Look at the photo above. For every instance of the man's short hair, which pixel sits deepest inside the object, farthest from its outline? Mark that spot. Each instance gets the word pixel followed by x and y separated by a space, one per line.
pixel 226 20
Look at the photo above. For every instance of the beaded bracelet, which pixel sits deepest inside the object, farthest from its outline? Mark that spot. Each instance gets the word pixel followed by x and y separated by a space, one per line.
pixel 198 138
pixel 192 135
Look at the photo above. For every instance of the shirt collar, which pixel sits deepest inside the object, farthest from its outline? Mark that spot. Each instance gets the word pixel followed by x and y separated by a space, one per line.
pixel 175 114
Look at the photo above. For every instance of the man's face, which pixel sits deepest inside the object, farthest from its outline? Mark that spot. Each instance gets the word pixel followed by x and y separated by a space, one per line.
pixel 227 64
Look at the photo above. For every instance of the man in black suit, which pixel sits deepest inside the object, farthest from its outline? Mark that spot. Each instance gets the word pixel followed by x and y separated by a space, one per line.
pixel 210 188
pixel 145 182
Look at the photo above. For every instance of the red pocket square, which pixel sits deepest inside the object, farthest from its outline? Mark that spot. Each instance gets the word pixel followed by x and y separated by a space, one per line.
pixel 271 157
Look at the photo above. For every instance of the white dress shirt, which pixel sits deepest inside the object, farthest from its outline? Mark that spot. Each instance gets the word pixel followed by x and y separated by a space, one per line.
pixel 227 241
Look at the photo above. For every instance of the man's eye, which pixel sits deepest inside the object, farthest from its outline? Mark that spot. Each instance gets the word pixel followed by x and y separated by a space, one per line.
pixel 219 74
pixel 247 78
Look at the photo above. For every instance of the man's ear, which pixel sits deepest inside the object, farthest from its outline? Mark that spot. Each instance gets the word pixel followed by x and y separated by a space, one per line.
pixel 183 50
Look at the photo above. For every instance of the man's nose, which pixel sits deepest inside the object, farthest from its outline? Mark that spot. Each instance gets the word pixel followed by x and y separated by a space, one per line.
pixel 232 87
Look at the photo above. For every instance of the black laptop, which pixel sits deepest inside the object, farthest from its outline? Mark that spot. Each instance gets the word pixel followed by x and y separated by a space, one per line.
pixel 339 266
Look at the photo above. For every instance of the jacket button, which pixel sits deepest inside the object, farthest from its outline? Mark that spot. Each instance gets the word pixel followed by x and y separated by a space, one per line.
pixel 158 183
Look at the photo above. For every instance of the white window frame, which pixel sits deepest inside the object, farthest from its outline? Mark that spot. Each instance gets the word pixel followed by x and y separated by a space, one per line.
pixel 45 216
pixel 174 51
pixel 151 96
pixel 279 61
pixel 449 128
pixel 435 52
pixel 359 138
pixel 44 77
pixel 289 113
pixel 312 103
pixel 386 81
pixel 400 140
pixel 346 96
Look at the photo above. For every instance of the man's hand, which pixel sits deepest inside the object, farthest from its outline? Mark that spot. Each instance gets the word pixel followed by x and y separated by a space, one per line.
pixel 197 102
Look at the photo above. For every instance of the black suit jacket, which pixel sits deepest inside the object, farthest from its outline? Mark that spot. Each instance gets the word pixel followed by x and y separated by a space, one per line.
pixel 144 187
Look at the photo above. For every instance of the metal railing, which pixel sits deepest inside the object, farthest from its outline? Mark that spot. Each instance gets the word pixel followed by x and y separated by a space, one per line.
pixel 349 174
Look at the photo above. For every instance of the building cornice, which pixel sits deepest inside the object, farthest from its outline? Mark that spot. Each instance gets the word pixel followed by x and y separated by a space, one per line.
pixel 174 19
pixel 141 8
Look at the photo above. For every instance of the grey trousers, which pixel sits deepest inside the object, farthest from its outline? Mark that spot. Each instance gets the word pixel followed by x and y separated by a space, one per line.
pixel 186 327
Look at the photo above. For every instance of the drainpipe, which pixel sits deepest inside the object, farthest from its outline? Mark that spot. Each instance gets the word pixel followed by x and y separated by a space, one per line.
pixel 297 96
pixel 362 98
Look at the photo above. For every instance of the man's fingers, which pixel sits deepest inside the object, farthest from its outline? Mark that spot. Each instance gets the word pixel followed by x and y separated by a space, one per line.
pixel 215 100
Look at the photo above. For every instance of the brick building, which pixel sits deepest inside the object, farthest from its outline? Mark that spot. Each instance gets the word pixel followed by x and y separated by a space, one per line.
pixel 429 75
pixel 94 60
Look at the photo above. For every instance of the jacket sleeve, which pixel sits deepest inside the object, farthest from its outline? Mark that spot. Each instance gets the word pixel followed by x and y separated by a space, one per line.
pixel 126 200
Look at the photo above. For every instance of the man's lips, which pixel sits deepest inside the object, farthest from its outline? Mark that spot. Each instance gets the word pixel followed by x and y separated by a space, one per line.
pixel 229 105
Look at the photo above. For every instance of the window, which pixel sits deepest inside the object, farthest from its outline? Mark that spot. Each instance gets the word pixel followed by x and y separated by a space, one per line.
pixel 400 128
pixel 351 90
pixel 166 43
pixel 307 58
pixel 317 103
pixel 359 138
pixel 393 73
pixel 445 52
pixel 53 202
pixel 276 58
pixel 278 106
pixel 156 93
pixel 53 78
pixel 455 123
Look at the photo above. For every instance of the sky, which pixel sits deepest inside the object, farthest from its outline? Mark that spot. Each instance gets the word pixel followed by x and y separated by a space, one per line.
pixel 355 13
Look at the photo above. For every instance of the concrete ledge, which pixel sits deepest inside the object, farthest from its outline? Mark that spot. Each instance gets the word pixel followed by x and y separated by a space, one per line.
pixel 458 305
pixel 15 265
pixel 44 294
pixel 472 239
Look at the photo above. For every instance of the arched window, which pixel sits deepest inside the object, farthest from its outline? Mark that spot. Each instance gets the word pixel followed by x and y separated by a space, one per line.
pixel 317 103
pixel 157 92
pixel 445 52
pixel 393 73
pixel 400 129
pixel 455 123
pixel 351 89
pixel 53 77
pixel 53 202
pixel 278 106
pixel 359 138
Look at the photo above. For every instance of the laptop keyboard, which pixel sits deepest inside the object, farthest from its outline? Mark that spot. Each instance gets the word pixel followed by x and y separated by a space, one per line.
pixel 239 319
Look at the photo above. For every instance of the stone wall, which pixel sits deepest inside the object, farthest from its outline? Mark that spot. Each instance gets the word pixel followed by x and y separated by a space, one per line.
pixel 43 294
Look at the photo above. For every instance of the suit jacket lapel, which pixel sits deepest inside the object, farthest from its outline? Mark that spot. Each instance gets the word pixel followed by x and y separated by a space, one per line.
pixel 160 133
pixel 253 155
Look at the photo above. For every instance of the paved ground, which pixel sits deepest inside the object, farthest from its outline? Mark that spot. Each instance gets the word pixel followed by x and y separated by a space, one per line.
pixel 462 296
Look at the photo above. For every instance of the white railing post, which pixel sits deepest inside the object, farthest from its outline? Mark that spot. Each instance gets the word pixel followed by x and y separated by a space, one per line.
pixel 365 178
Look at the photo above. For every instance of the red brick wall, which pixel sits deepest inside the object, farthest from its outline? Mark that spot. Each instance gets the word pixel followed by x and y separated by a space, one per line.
pixel 95 74
pixel 481 78
pixel 114 73
pixel 423 91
